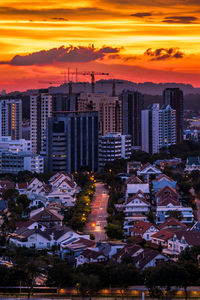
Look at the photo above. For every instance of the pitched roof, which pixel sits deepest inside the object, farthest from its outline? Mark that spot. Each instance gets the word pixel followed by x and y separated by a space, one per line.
pixel 163 234
pixel 137 197
pixel 46 214
pixel 191 237
pixel 6 184
pixel 22 185
pixel 132 180
pixel 162 176
pixel 148 165
pixel 141 227
pixel 91 254
pixel 171 223
pixel 168 200
pixel 58 231
pixel 145 257
pixel 127 251
pixel 22 233
pixel 165 191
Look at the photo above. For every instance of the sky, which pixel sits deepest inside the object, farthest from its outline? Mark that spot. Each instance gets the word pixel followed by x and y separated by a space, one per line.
pixel 137 40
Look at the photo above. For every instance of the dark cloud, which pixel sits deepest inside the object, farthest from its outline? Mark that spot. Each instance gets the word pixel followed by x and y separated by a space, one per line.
pixel 142 15
pixel 59 19
pixel 163 53
pixel 181 19
pixel 62 54
pixel 53 12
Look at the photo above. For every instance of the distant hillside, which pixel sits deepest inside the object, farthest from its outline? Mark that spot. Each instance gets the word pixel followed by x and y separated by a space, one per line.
pixel 152 92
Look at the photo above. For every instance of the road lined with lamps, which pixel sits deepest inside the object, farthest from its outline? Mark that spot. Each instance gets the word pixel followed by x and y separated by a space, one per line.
pixel 97 218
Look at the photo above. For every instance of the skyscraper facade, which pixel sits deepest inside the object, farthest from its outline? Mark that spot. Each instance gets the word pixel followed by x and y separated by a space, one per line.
pixel 174 98
pixel 158 128
pixel 72 141
pixel 40 111
pixel 11 118
pixel 109 109
pixel 132 105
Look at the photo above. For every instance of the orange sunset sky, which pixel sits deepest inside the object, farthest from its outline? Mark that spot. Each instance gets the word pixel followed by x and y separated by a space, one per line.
pixel 138 40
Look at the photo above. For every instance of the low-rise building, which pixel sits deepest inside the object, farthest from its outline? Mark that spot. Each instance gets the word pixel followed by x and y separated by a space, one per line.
pixel 192 164
pixel 148 170
pixel 162 181
pixel 143 229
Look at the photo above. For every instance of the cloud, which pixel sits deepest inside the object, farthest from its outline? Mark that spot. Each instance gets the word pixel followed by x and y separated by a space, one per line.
pixel 181 19
pixel 142 15
pixel 164 53
pixel 61 54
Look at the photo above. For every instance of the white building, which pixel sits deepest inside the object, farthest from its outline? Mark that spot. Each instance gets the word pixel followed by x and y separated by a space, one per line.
pixel 11 118
pixel 41 109
pixel 113 146
pixel 7 143
pixel 158 127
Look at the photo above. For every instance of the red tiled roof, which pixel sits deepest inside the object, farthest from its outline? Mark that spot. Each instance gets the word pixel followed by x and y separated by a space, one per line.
pixel 6 184
pixel 163 234
pixel 165 191
pixel 171 222
pixel 168 200
pixel 22 185
pixel 148 165
pixel 141 227
pixel 191 237
pixel 163 176
pixel 132 180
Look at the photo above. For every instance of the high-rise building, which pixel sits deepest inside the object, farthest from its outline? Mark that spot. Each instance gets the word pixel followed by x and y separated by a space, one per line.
pixel 72 141
pixel 11 118
pixel 132 105
pixel 109 109
pixel 64 102
pixel 40 111
pixel 174 98
pixel 158 128
pixel 113 146
pixel 16 156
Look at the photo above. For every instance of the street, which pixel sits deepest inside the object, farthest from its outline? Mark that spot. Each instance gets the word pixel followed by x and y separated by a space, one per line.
pixel 97 219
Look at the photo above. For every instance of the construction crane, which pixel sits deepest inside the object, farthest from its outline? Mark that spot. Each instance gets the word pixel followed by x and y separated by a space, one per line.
pixel 92 74
pixel 114 82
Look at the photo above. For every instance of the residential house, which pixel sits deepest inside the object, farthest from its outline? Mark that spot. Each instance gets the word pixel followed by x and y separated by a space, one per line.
pixel 182 239
pixel 143 229
pixel 133 166
pixel 36 187
pixel 162 181
pixel 137 204
pixel 172 224
pixel 166 193
pixel 129 223
pixel 192 164
pixel 149 258
pixel 89 256
pixel 40 238
pixel 133 185
pixel 128 251
pixel 148 170
pixel 22 187
pixel 161 237
pixel 74 246
pixel 110 248
pixel 46 216
pixel 6 185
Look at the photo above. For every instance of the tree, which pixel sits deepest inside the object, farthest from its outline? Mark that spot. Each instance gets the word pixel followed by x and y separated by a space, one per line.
pixel 10 194
pixel 23 201
pixel 87 285
pixel 114 231
pixel 60 275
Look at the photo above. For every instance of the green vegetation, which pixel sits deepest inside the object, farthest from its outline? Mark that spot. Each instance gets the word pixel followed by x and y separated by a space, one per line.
pixel 76 217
